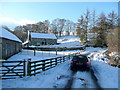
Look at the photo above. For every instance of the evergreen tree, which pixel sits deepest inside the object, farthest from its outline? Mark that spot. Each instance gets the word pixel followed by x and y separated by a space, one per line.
pixel 83 26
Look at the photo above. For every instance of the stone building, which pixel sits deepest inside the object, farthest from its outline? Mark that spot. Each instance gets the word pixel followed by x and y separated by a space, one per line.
pixel 9 44
pixel 38 39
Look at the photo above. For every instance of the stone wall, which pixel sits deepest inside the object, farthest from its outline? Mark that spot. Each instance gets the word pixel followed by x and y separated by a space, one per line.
pixel 43 41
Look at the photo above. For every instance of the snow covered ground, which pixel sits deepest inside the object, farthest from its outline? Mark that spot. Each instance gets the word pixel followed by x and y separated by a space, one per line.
pixel 65 41
pixel 47 79
pixel 40 55
pixel 69 40
pixel 107 75
pixel 56 77
pixel 60 76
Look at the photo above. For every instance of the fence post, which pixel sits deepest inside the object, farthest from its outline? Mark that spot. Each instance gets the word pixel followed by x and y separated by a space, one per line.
pixel 60 59
pixel 29 68
pixel 43 65
pixel 56 51
pixel 24 68
pixel 34 52
pixel 68 56
pixel 51 63
pixel 55 61
pixel 74 54
pixel 63 58
pixel 71 56
pixel 34 69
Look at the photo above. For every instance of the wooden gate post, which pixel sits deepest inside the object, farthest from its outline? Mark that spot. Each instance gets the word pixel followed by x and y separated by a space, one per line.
pixel 63 58
pixel 56 51
pixel 55 61
pixel 68 56
pixel 51 63
pixel 29 67
pixel 34 52
pixel 43 65
pixel 24 68
pixel 60 59
pixel 34 69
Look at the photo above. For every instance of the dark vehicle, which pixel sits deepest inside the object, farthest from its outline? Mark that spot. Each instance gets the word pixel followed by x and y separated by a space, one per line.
pixel 80 62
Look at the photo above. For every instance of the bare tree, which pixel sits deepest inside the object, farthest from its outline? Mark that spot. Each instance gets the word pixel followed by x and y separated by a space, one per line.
pixel 53 29
pixel 69 27
pixel 113 44
pixel 47 24
pixel 94 19
pixel 59 23
pixel 112 19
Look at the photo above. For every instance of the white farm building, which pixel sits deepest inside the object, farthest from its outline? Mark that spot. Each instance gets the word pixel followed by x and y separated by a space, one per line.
pixel 38 39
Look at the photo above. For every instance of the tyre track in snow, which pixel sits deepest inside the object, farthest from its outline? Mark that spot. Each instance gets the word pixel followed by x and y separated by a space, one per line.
pixel 94 78
pixel 70 81
pixel 82 80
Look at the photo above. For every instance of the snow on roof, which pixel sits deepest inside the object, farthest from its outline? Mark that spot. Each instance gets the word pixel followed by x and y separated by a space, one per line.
pixel 43 35
pixel 8 35
pixel 26 42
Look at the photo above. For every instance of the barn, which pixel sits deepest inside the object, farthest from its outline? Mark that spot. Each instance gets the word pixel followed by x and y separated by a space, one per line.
pixel 38 39
pixel 9 44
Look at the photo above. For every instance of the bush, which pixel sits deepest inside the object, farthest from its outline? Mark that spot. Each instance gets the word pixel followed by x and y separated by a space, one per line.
pixel 112 40
pixel 113 45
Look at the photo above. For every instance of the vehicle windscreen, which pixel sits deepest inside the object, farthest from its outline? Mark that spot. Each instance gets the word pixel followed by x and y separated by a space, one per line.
pixel 80 59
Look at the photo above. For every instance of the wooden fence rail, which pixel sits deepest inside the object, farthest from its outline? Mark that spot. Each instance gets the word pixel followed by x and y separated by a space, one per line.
pixel 13 69
pixel 35 67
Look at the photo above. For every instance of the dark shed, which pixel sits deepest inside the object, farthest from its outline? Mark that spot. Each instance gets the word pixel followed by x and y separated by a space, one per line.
pixel 9 44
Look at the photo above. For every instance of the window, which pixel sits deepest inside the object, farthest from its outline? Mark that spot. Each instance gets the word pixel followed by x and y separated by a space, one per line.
pixel 42 43
pixel 45 43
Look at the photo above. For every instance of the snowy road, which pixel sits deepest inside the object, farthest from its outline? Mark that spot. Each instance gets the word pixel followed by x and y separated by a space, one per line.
pixel 81 79
pixel 58 77
pixel 62 77
pixel 77 79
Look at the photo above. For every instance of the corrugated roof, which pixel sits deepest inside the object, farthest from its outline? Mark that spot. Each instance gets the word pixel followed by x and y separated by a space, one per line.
pixel 43 35
pixel 8 35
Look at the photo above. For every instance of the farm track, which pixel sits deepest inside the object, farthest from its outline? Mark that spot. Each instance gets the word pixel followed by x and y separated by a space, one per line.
pixel 77 77
pixel 93 79
pixel 70 81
